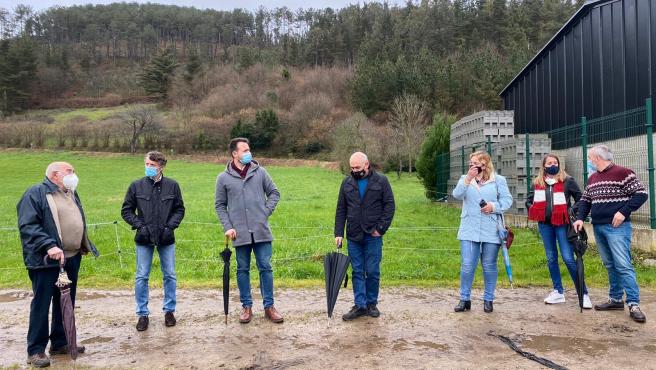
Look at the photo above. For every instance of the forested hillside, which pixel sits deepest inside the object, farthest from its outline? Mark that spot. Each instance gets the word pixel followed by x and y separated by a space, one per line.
pixel 454 54
pixel 302 83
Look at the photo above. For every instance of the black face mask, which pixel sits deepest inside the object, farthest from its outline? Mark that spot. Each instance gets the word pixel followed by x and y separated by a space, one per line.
pixel 479 169
pixel 359 175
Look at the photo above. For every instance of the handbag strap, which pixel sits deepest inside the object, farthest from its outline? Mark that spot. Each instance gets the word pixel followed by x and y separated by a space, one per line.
pixel 500 215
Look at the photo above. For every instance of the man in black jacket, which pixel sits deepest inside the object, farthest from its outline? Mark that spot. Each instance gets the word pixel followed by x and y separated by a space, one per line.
pixel 153 206
pixel 366 207
pixel 53 231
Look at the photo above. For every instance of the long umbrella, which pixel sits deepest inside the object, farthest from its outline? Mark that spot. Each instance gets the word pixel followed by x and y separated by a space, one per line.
pixel 503 235
pixel 225 255
pixel 506 262
pixel 335 265
pixel 579 242
pixel 68 313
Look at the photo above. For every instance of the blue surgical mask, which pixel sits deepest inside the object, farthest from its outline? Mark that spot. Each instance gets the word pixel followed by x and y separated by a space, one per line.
pixel 246 158
pixel 151 172
pixel 552 170
pixel 591 168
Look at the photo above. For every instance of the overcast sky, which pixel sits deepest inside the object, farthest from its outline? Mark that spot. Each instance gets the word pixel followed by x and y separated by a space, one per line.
pixel 202 4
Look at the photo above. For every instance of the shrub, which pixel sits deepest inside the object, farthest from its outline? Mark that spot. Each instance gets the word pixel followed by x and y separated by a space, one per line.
pixel 436 142
pixel 262 132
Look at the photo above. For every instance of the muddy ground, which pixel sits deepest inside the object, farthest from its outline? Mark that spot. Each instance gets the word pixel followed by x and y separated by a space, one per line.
pixel 417 330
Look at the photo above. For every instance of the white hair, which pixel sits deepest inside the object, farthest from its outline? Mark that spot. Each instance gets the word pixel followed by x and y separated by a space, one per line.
pixel 602 151
pixel 360 155
pixel 53 167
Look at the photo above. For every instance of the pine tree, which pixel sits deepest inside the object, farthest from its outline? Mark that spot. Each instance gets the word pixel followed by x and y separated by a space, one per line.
pixel 157 75
pixel 17 70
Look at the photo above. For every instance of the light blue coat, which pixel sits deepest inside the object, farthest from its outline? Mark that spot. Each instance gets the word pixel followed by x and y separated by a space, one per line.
pixel 474 224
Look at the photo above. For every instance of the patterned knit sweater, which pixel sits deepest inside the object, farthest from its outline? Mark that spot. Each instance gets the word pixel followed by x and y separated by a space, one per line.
pixel 615 189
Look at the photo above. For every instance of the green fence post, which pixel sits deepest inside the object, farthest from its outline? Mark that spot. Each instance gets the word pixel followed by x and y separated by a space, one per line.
pixel 438 173
pixel 650 162
pixel 528 164
pixel 462 159
pixel 584 146
pixel 489 145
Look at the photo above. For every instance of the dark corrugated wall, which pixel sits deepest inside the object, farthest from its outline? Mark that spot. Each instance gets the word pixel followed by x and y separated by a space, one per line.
pixel 600 63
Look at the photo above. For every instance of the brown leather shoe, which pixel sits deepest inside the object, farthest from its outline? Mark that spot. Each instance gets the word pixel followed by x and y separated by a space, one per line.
pixel 272 314
pixel 246 315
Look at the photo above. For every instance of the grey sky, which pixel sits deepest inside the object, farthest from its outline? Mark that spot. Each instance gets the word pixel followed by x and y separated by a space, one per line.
pixel 202 4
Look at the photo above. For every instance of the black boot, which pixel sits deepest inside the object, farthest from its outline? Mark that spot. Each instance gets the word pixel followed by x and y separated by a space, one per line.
pixel 463 306
pixel 487 306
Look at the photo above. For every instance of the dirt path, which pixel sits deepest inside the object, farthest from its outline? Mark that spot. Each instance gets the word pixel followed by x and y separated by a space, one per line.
pixel 417 330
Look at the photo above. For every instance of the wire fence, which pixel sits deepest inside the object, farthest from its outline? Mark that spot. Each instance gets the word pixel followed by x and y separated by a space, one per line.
pixel 628 134
pixel 206 246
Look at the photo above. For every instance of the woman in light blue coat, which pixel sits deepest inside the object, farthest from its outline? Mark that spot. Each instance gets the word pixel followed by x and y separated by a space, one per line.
pixel 485 197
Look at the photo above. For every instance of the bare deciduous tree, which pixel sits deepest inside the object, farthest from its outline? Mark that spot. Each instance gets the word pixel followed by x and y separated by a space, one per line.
pixel 139 120
pixel 408 121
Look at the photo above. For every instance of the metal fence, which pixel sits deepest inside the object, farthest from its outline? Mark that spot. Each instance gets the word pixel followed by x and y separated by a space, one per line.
pixel 628 134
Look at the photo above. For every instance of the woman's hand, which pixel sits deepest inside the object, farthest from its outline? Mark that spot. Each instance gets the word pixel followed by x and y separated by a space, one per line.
pixel 489 208
pixel 471 174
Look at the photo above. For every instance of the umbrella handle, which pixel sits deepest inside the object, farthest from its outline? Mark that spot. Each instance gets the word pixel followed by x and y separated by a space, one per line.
pixel 47 257
pixel 227 245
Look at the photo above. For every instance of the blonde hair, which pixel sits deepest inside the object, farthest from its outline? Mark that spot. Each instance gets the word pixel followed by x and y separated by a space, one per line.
pixel 560 176
pixel 484 157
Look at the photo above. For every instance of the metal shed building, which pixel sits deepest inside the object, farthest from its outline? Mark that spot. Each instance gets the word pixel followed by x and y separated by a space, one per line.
pixel 599 63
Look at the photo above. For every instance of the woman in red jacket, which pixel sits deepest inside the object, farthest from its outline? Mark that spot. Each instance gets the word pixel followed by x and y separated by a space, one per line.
pixel 548 204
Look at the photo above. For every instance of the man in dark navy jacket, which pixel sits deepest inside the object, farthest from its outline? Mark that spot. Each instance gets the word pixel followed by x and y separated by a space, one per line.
pixel 153 206
pixel 366 207
pixel 53 232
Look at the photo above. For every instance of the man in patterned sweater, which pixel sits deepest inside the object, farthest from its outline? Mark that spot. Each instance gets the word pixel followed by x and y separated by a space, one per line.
pixel 612 194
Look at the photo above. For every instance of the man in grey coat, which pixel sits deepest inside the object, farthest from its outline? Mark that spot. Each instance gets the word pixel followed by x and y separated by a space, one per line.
pixel 245 198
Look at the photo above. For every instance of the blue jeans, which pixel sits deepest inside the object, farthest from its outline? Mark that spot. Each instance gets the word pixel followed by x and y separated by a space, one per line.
pixel 365 262
pixel 167 264
pixel 550 235
pixel 469 254
pixel 614 246
pixel 263 252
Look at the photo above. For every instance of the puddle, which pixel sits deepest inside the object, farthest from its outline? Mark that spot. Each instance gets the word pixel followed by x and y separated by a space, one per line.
pixel 14 296
pixel 427 344
pixel 547 343
pixel 86 295
pixel 97 339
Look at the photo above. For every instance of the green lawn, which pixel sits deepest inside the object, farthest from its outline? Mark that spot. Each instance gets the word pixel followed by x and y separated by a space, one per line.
pixel 420 248
pixel 64 115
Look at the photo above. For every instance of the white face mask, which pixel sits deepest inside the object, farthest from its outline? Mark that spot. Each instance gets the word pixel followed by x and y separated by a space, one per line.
pixel 70 181
pixel 550 181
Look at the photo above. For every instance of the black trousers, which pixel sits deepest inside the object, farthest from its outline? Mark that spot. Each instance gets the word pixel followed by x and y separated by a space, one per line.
pixel 45 291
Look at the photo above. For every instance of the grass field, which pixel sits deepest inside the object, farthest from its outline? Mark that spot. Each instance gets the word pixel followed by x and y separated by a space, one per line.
pixel 420 248
pixel 64 115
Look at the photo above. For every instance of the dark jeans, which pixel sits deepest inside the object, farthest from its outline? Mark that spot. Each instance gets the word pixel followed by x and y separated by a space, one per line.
pixel 44 289
pixel 550 235
pixel 365 261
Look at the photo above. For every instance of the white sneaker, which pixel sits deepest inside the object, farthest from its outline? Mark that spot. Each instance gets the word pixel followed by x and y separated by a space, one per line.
pixel 555 297
pixel 587 304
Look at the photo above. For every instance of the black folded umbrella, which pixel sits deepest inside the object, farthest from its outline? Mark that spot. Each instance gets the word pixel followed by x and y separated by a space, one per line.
pixel 68 311
pixel 335 266
pixel 225 255
pixel 579 241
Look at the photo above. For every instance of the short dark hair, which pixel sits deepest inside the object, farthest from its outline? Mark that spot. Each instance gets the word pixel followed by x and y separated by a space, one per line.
pixel 235 141
pixel 158 157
